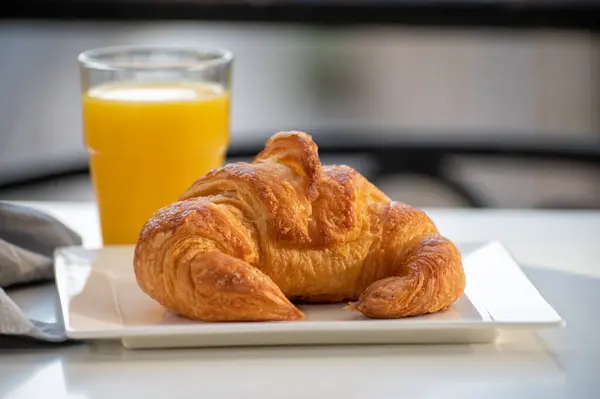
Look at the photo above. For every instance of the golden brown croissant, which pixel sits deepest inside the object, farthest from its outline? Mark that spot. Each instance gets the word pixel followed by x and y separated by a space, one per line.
pixel 248 238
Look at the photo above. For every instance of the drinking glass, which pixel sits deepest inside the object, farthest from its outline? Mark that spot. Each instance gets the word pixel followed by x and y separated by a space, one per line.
pixel 155 119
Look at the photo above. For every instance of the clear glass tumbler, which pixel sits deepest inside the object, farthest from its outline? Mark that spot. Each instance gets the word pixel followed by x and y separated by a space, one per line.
pixel 155 119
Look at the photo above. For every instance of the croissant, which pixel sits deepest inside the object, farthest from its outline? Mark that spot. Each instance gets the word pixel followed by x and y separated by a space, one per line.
pixel 247 240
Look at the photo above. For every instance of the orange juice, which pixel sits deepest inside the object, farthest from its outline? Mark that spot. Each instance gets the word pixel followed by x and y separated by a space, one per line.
pixel 147 144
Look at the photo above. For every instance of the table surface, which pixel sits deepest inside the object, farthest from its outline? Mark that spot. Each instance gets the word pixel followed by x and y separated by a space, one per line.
pixel 559 251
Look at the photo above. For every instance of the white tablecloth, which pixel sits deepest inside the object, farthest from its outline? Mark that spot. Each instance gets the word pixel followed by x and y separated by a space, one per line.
pixel 559 251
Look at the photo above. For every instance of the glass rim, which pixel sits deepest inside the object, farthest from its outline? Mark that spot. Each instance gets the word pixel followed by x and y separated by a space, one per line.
pixel 92 58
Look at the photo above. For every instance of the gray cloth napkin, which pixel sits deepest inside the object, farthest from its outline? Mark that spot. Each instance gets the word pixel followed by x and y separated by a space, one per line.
pixel 28 239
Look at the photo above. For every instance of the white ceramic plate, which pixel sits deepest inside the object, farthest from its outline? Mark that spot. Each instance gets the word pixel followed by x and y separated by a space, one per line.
pixel 101 300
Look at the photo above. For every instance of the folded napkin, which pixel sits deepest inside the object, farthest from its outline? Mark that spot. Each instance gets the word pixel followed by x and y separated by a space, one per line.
pixel 28 239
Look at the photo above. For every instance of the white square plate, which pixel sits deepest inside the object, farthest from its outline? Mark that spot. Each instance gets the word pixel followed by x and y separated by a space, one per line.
pixel 101 300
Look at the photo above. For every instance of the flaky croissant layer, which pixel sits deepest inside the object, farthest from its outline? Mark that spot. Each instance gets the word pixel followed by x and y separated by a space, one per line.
pixel 248 239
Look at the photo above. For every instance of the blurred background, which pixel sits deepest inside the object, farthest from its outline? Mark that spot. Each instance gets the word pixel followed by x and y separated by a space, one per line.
pixel 449 103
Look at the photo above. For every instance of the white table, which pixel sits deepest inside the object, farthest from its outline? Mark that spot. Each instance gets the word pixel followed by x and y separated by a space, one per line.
pixel 560 252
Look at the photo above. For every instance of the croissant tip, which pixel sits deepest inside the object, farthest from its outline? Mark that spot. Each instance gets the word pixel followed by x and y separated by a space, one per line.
pixel 299 317
pixel 297 314
pixel 292 315
pixel 290 133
